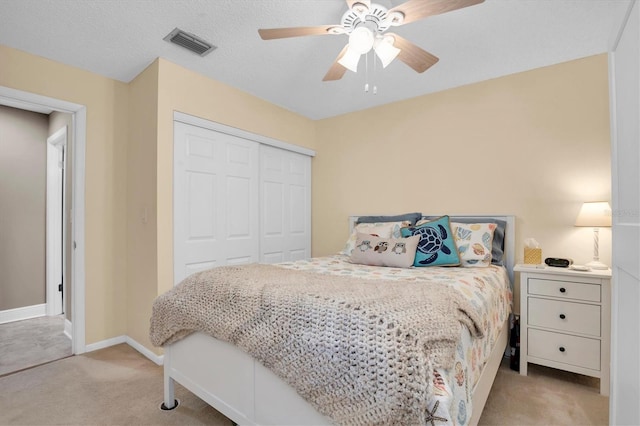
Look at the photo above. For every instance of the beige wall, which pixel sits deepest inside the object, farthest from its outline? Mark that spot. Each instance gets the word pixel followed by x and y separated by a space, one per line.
pixel 105 197
pixel 23 180
pixel 142 231
pixel 534 144
pixel 58 120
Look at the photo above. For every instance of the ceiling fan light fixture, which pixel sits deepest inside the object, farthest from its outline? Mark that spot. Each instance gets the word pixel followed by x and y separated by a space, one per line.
pixel 350 59
pixel 361 40
pixel 385 50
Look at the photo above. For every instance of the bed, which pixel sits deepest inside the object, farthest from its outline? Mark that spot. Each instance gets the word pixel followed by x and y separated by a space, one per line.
pixel 245 391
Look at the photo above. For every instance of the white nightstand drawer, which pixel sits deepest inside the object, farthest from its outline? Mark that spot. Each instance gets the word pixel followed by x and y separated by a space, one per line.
pixel 566 316
pixel 564 289
pixel 564 348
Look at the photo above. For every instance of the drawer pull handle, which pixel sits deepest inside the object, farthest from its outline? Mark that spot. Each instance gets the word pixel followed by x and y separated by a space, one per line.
pixel 563 290
pixel 561 349
pixel 562 316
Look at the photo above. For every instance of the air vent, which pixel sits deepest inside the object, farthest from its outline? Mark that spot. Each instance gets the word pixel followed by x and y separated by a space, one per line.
pixel 190 42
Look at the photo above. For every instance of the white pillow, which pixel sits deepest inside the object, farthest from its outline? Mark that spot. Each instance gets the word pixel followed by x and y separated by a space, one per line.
pixel 381 229
pixel 474 241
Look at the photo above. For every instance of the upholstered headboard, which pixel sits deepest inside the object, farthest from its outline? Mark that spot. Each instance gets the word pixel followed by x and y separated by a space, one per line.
pixel 509 237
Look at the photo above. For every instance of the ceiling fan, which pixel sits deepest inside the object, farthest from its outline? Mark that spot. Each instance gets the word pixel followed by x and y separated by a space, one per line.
pixel 366 24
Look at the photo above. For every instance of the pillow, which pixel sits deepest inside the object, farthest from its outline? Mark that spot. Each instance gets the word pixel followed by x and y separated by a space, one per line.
pixel 497 247
pixel 381 229
pixel 411 217
pixel 437 246
pixel 376 251
pixel 474 241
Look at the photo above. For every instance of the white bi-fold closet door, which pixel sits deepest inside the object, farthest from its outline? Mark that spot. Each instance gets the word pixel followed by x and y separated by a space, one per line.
pixel 285 203
pixel 237 201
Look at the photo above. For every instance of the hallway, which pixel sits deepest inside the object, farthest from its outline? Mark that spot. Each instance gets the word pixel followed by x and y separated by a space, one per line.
pixel 32 342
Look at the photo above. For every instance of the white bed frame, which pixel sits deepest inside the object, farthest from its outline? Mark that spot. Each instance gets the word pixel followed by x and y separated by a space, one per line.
pixel 239 387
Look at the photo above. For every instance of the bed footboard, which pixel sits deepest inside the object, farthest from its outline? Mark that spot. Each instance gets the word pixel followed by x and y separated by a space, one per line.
pixel 247 393
pixel 234 384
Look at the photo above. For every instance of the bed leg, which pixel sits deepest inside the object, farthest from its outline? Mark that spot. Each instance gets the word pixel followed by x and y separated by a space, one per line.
pixel 170 402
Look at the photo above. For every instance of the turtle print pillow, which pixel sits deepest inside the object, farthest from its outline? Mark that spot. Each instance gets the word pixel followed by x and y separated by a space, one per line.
pixel 474 241
pixel 437 246
pixel 377 251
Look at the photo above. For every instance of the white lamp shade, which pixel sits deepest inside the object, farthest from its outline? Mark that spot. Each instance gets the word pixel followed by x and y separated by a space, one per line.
pixel 385 50
pixel 594 214
pixel 350 59
pixel 361 40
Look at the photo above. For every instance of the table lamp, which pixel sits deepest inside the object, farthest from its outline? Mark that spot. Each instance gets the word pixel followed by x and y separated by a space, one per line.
pixel 596 215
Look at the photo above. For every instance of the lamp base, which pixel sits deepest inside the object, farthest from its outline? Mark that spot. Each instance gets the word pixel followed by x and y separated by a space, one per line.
pixel 595 264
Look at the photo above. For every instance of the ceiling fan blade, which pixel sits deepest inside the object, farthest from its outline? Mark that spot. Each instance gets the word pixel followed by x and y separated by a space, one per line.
pixel 336 71
pixel 414 10
pixel 273 33
pixel 367 3
pixel 412 55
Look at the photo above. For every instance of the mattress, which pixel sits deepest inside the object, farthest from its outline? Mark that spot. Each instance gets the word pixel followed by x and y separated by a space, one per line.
pixel 487 288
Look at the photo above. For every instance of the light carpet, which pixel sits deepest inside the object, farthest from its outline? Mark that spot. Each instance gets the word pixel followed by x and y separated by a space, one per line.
pixel 112 386
pixel 35 341
pixel 118 386
pixel 545 396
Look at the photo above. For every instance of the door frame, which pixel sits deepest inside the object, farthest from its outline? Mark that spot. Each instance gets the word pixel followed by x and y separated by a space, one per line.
pixel 44 104
pixel 625 334
pixel 56 221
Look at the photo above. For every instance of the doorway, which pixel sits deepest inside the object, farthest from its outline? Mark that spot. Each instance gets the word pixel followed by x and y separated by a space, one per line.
pixel 56 246
pixel 33 102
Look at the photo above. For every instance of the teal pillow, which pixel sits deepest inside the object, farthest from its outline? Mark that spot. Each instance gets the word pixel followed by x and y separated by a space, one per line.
pixel 437 246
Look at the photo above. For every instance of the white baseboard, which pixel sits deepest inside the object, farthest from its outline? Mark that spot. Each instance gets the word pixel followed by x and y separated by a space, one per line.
pixel 106 343
pixel 19 314
pixel 68 329
pixel 157 359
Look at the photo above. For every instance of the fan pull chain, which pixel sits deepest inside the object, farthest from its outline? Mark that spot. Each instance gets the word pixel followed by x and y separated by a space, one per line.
pixel 366 73
pixel 375 88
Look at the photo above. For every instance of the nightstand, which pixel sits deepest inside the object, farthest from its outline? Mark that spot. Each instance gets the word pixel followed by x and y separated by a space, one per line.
pixel 565 320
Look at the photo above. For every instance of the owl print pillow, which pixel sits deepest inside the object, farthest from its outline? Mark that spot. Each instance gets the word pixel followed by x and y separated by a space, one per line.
pixel 380 229
pixel 377 251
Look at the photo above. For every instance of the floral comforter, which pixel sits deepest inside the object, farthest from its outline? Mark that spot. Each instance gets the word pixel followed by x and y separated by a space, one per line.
pixel 487 288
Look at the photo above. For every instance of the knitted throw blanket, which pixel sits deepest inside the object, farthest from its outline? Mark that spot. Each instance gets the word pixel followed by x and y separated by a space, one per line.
pixel 360 351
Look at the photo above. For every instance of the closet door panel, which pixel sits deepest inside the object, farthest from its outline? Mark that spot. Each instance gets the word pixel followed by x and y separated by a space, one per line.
pixel 285 205
pixel 273 195
pixel 300 206
pixel 215 200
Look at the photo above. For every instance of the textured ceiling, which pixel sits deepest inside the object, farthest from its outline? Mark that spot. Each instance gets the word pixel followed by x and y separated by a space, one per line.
pixel 119 38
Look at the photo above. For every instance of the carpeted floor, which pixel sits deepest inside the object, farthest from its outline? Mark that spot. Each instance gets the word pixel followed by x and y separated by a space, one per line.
pixel 118 386
pixel 113 386
pixel 545 396
pixel 32 342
